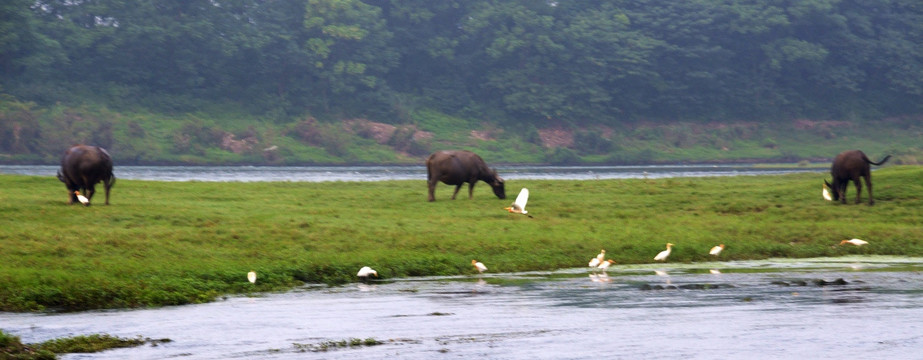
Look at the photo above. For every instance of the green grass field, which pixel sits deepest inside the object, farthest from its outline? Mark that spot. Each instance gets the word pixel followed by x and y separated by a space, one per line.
pixel 166 243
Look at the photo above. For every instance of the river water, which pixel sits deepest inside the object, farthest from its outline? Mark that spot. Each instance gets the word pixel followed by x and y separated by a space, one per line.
pixel 839 308
pixel 377 173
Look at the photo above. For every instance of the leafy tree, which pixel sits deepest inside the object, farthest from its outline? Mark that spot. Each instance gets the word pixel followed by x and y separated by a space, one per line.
pixel 347 46
pixel 22 46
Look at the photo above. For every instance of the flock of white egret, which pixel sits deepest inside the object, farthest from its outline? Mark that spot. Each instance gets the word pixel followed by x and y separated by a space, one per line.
pixel 599 262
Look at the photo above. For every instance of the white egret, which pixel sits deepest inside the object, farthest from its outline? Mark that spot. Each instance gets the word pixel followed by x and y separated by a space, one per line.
pixel 519 206
pixel 716 250
pixel 251 276
pixel 478 265
pixel 856 242
pixel 826 194
pixel 366 271
pixel 663 254
pixel 601 255
pixel 605 264
pixel 83 199
pixel 594 262
pixel 714 272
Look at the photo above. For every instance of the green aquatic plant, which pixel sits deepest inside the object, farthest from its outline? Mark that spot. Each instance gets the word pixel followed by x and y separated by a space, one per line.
pixel 333 345
pixel 94 343
pixel 12 348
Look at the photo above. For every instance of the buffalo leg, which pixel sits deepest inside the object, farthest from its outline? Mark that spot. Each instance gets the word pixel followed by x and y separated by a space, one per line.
pixel 858 182
pixel 432 190
pixel 868 185
pixel 71 196
pixel 90 191
pixel 470 190
pixel 457 187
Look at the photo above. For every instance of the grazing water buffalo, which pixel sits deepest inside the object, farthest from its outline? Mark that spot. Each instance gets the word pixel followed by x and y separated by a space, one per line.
pixel 458 167
pixel 83 166
pixel 851 165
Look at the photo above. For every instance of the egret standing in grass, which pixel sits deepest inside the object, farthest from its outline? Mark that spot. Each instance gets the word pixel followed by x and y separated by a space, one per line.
pixel 83 199
pixel 478 265
pixel 365 272
pixel 251 276
pixel 519 206
pixel 716 250
pixel 826 194
pixel 663 254
pixel 856 242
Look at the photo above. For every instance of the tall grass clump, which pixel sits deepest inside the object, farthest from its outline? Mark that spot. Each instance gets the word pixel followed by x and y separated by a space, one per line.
pixel 171 243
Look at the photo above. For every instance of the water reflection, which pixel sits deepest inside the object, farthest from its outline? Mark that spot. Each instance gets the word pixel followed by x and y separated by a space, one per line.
pixel 379 173
pixel 764 309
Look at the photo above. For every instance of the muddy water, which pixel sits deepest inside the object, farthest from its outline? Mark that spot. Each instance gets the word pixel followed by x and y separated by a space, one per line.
pixel 755 310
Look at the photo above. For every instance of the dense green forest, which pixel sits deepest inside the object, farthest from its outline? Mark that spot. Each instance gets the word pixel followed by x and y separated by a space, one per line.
pixel 387 81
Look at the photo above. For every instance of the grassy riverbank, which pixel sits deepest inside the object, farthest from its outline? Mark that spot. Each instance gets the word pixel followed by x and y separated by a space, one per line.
pixel 163 243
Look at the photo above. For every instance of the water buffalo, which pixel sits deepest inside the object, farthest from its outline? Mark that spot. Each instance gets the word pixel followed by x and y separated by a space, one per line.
pixel 83 166
pixel 458 167
pixel 851 165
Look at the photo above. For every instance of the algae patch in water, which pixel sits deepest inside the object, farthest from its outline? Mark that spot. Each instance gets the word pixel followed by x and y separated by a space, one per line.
pixel 11 347
pixel 333 345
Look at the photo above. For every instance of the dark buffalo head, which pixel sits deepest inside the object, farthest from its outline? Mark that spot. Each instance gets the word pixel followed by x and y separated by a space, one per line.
pixel 497 184
pixel 835 195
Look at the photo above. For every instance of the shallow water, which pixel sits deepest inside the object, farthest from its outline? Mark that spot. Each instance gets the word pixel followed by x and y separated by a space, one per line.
pixel 756 310
pixel 378 173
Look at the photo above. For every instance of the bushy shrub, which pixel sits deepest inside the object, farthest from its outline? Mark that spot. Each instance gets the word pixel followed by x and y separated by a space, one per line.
pixel 591 142
pixel 563 156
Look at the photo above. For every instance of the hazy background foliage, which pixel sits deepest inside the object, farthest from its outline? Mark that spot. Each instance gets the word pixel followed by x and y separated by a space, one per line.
pixel 254 70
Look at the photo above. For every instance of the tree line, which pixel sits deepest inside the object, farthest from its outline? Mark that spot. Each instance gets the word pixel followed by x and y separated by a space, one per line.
pixel 516 61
